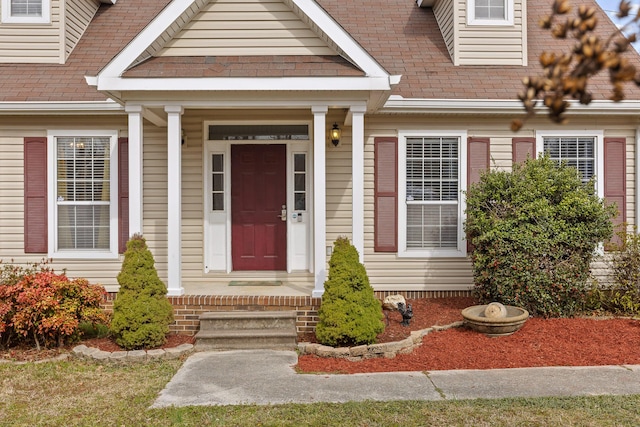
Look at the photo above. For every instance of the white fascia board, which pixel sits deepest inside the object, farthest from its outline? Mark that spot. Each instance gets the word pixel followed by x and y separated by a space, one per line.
pixel 341 37
pixel 108 1
pixel 141 42
pixel 398 104
pixel 244 84
pixel 61 107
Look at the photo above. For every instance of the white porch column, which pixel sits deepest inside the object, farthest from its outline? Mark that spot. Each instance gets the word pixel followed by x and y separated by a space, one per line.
pixel 135 168
pixel 174 205
pixel 319 199
pixel 357 171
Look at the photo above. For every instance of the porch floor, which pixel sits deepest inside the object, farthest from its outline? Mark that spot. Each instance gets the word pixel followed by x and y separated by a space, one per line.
pixel 217 288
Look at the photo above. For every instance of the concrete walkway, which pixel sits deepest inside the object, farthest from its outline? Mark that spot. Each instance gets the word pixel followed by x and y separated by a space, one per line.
pixel 267 377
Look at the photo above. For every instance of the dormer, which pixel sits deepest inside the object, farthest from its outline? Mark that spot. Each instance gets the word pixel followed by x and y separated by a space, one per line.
pixel 43 31
pixel 482 32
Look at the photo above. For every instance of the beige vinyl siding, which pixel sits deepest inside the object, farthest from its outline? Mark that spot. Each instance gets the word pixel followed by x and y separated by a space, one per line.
pixel 443 11
pixel 79 14
pixel 12 133
pixel 491 45
pixel 258 27
pixel 32 43
pixel 390 273
pixel 386 271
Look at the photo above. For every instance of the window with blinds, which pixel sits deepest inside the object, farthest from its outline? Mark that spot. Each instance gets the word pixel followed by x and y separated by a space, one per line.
pixel 578 152
pixel 26 11
pixel 26 8
pixel 432 191
pixel 83 192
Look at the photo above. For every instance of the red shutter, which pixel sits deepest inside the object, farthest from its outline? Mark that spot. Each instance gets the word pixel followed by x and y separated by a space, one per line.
pixel 523 147
pixel 478 158
pixel 386 194
pixel 615 177
pixel 35 195
pixel 123 194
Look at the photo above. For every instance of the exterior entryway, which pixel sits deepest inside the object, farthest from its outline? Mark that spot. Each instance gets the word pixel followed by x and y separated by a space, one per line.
pixel 258 198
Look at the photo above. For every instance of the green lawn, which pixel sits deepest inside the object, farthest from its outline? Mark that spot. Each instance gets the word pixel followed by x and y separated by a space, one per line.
pixel 77 393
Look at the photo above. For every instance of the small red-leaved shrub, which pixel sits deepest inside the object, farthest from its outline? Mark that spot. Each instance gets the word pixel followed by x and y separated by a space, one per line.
pixel 46 309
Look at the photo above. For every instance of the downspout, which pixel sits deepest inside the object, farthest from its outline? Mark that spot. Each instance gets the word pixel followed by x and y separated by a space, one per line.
pixel 637 171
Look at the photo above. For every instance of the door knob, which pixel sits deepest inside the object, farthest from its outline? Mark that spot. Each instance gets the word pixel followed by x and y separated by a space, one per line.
pixel 283 213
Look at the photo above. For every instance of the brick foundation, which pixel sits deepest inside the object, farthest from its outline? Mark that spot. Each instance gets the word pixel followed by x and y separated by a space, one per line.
pixel 187 308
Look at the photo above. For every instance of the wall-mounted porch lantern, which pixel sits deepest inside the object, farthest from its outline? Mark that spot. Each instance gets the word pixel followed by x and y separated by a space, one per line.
pixel 335 135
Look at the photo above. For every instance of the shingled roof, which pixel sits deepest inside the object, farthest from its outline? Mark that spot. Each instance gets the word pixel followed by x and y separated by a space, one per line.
pixel 406 40
pixel 402 37
pixel 111 29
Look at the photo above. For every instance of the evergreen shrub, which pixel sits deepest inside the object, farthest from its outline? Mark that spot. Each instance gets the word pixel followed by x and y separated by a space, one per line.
pixel 349 313
pixel 142 312
pixel 535 231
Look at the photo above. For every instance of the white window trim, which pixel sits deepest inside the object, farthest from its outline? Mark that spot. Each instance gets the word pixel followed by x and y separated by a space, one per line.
pixel 599 150
pixel 8 19
pixel 472 21
pixel 403 252
pixel 51 194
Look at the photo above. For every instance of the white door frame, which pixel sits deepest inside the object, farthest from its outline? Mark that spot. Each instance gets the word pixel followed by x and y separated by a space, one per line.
pixel 217 225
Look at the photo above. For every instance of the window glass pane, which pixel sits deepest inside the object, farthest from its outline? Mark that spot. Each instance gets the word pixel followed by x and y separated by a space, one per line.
pixel 216 160
pixel 218 202
pixel 218 184
pixel 258 132
pixel 26 8
pixel 299 182
pixel 575 152
pixel 490 9
pixel 299 162
pixel 432 178
pixel 83 175
pixel 83 227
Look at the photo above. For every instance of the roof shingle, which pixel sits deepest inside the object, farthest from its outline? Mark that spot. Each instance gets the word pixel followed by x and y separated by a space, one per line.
pixel 402 37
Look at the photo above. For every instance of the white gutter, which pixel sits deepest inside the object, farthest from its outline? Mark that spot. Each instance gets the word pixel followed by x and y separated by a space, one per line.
pixel 398 104
pixel 61 107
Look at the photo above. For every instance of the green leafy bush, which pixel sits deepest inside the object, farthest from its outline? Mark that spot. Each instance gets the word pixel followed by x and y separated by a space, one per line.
pixel 349 314
pixel 534 232
pixel 141 312
pixel 622 296
pixel 47 308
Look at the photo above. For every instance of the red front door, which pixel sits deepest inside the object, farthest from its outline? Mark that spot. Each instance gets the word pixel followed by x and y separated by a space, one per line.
pixel 258 192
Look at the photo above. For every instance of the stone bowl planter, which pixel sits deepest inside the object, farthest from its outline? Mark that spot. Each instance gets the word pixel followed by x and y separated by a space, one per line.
pixel 476 319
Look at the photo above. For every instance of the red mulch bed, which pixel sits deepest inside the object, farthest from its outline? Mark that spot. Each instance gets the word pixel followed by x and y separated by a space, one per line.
pixel 540 342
